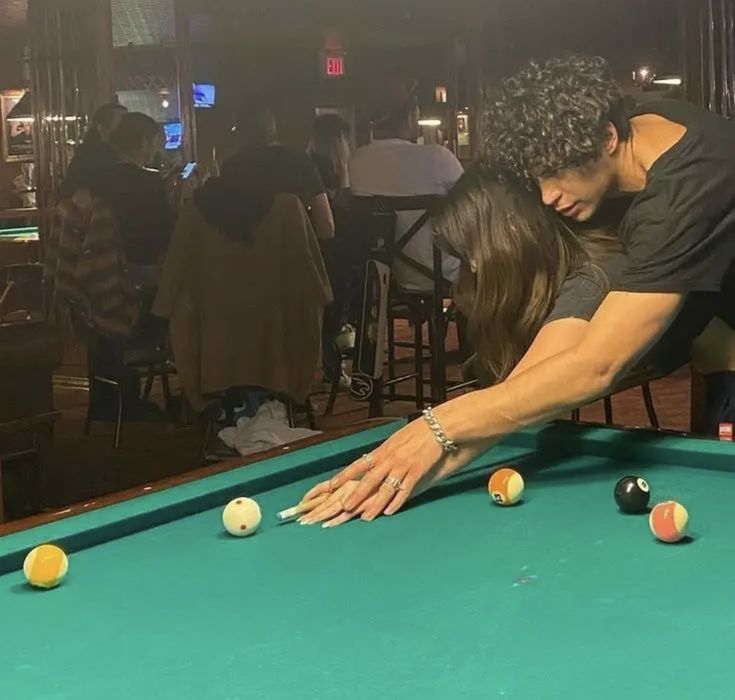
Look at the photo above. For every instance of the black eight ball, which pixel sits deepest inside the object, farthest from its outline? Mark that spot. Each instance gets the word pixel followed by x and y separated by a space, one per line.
pixel 632 494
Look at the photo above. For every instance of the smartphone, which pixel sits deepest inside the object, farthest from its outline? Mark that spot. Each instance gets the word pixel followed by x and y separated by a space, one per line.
pixel 188 170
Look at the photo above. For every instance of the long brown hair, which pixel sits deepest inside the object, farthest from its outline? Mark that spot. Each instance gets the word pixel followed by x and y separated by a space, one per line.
pixel 516 253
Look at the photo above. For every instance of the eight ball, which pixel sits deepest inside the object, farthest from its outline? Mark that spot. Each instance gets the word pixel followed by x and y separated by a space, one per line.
pixel 632 494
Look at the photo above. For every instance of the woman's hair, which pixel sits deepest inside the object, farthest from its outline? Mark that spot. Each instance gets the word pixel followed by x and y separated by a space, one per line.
pixel 553 115
pixel 330 144
pixel 134 129
pixel 515 254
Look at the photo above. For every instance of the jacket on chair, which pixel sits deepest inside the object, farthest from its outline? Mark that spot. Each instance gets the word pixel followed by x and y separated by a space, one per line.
pixel 85 267
pixel 245 312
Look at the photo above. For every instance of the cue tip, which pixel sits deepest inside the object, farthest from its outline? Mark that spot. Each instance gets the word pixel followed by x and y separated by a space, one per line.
pixel 292 513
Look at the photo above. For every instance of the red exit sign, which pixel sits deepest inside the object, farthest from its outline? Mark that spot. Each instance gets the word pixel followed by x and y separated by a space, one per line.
pixel 334 65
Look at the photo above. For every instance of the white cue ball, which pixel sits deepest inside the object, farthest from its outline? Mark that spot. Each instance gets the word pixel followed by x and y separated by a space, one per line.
pixel 241 517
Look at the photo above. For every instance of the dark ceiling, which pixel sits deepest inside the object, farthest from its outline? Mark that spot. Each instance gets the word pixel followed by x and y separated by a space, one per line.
pixel 626 31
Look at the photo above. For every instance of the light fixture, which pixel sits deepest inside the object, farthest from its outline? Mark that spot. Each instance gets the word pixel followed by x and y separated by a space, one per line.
pixel 430 122
pixel 22 110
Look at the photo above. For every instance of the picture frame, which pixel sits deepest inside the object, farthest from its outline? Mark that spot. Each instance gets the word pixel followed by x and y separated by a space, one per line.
pixel 16 137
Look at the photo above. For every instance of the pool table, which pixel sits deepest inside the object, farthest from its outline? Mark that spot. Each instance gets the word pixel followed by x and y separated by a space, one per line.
pixel 19 244
pixel 561 596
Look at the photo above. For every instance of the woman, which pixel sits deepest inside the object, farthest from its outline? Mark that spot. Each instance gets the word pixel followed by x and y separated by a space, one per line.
pixel 529 285
pixel 330 151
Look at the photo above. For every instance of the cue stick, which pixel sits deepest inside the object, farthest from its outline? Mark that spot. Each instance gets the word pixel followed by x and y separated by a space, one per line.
pixel 293 512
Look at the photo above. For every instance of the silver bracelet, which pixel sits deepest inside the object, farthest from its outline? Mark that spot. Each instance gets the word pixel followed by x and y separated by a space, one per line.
pixel 447 445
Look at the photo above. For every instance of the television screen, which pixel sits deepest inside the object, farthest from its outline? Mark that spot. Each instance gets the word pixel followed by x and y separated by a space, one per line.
pixel 174 135
pixel 203 95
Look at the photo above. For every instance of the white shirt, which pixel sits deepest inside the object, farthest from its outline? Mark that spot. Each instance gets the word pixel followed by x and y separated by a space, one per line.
pixel 399 168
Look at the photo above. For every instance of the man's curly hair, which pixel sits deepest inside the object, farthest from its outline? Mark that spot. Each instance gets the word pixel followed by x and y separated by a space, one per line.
pixel 553 115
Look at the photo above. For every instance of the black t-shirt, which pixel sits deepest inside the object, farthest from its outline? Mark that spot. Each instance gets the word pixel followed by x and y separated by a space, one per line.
pixel 679 232
pixel 678 235
pixel 277 170
pixel 583 292
pixel 137 198
pixel 91 157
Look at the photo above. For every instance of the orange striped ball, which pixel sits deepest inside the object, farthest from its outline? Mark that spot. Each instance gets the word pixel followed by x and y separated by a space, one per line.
pixel 668 521
pixel 45 566
pixel 505 486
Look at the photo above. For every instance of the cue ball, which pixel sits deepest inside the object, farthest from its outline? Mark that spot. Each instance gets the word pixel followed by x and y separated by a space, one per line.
pixel 45 566
pixel 632 494
pixel 241 517
pixel 505 486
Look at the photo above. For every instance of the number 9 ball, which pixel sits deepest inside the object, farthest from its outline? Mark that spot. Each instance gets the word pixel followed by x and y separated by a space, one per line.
pixel 632 494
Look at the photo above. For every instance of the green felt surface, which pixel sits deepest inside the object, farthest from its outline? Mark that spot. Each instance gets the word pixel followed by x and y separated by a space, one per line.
pixel 22 233
pixel 559 597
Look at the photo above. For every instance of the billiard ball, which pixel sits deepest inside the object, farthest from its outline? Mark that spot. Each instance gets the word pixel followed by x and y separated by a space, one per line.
pixel 241 517
pixel 668 521
pixel 632 494
pixel 505 486
pixel 45 566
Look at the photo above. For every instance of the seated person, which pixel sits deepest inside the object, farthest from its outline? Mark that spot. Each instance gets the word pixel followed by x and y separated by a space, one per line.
pixel 136 197
pixel 394 165
pixel 96 152
pixel 135 194
pixel 282 169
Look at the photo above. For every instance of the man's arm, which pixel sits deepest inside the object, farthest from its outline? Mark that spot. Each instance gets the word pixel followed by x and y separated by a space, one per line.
pixel 624 327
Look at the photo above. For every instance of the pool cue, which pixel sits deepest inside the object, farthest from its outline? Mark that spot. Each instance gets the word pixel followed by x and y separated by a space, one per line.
pixel 294 512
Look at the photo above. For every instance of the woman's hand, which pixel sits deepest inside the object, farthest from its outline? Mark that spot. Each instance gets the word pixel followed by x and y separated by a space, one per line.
pixel 381 482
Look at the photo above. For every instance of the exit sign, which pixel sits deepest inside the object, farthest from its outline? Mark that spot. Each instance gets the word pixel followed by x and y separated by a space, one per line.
pixel 334 65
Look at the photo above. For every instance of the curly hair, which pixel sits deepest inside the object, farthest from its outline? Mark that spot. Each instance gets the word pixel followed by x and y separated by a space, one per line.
pixel 553 115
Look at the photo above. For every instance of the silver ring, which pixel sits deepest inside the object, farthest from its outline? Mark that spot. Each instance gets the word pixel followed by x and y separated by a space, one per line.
pixel 393 482
pixel 369 460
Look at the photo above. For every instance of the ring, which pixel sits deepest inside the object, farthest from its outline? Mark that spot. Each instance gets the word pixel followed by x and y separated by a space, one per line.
pixel 369 460
pixel 393 482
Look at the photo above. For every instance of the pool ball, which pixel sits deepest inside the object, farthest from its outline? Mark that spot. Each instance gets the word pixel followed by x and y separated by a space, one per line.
pixel 241 517
pixel 45 566
pixel 505 486
pixel 632 494
pixel 668 521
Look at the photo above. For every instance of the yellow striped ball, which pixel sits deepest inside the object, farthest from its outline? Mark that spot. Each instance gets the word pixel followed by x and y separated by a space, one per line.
pixel 668 521
pixel 505 486
pixel 45 566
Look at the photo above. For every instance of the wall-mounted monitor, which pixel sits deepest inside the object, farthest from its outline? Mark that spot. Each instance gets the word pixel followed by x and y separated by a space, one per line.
pixel 204 95
pixel 174 135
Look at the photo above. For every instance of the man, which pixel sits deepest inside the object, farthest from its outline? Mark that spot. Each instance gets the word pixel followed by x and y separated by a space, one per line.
pixel 394 165
pixel 562 126
pixel 277 168
pixel 136 195
pixel 96 152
